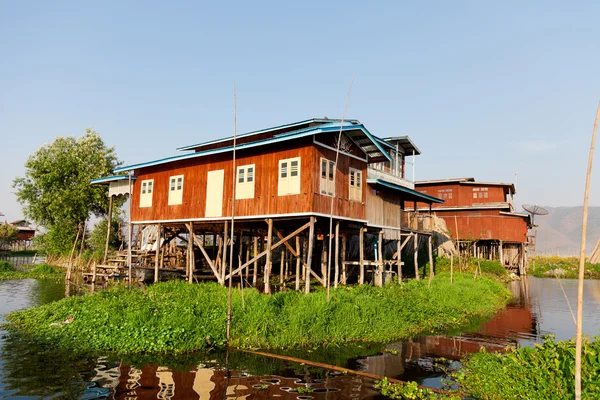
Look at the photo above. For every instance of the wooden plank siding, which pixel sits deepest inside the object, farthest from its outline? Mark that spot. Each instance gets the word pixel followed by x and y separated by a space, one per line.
pixel 462 195
pixel 266 200
pixel 485 225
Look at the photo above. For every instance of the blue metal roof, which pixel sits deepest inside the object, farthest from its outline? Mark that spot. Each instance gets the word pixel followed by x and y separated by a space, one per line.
pixel 350 127
pixel 109 179
pixel 414 193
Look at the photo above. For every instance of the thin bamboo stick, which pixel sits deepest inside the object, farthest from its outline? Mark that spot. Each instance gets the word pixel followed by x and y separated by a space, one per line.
pixel 586 197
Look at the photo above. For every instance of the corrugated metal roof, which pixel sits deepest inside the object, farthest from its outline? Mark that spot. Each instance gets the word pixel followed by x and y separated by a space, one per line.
pixel 109 179
pixel 405 143
pixel 416 196
pixel 356 132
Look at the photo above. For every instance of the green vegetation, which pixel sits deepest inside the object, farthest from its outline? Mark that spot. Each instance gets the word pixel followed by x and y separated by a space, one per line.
pixel 8 234
pixel 409 391
pixel 179 317
pixel 56 192
pixel 542 372
pixel 42 271
pixel 566 267
pixel 488 267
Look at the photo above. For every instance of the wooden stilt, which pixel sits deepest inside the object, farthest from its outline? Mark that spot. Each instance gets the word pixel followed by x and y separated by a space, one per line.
pixel 311 238
pixel 108 227
pixel 304 257
pixel 298 262
pixel 281 265
pixel 158 247
pixel 501 253
pixel 361 256
pixel 268 262
pixel 336 275
pixel 344 279
pixel 430 248
pixel 255 272
pixel 399 260
pixel 191 240
pixel 247 259
pixel 379 269
pixel 416 254
pixel 224 254
pixel 324 259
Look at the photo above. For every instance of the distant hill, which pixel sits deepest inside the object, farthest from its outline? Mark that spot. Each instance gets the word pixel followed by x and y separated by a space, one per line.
pixel 559 232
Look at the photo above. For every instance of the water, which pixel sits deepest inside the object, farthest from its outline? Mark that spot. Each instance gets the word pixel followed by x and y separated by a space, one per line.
pixel 28 371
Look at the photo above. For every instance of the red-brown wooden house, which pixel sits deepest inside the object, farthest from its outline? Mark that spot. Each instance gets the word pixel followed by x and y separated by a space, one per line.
pixel 287 185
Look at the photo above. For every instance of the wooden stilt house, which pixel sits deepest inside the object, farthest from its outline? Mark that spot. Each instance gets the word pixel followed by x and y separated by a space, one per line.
pixel 286 185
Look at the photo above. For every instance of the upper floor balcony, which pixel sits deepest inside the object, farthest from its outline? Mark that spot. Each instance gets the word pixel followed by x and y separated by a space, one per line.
pixel 383 171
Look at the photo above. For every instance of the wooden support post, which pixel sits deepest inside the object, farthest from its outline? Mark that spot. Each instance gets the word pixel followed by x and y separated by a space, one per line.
pixel 399 260
pixel 336 275
pixel 324 260
pixel 247 259
pixel 430 248
pixel 109 225
pixel 416 254
pixel 298 262
pixel 344 266
pixel 158 247
pixel 268 262
pixel 361 256
pixel 311 238
pixel 379 271
pixel 281 265
pixel 224 254
pixel 255 247
pixel 501 253
pixel 192 261
pixel 94 273
pixel 304 257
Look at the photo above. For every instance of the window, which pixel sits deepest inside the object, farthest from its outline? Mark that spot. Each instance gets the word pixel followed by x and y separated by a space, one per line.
pixel 327 177
pixel 355 193
pixel 176 190
pixel 444 193
pixel 244 188
pixel 289 176
pixel 146 193
pixel 480 193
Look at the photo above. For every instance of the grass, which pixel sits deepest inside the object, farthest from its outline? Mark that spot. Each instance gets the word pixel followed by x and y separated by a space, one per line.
pixel 542 372
pixel 541 267
pixel 488 267
pixel 179 317
pixel 42 271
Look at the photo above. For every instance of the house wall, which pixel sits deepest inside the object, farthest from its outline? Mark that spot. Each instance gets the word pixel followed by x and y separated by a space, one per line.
pixel 266 200
pixel 456 195
pixel 383 207
pixel 484 224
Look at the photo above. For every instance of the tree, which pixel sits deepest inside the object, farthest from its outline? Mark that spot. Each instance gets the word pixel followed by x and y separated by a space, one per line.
pixel 56 192
pixel 97 239
pixel 8 234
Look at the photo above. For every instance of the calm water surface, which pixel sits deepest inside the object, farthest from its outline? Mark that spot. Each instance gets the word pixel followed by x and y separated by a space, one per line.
pixel 28 371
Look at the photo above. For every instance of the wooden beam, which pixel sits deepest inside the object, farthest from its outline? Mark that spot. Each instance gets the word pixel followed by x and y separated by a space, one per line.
pixel 380 267
pixel 344 269
pixel 192 260
pixel 273 247
pixel 224 255
pixel 289 246
pixel 108 227
pixel 311 238
pixel 255 260
pixel 268 263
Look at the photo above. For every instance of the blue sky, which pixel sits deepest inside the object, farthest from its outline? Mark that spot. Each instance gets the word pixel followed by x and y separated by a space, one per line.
pixel 485 89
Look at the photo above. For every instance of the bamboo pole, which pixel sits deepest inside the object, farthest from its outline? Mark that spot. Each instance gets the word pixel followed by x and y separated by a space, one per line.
pixel 361 255
pixel 191 240
pixel 380 266
pixel 158 246
pixel 336 275
pixel 255 249
pixel 108 226
pixel 73 252
pixel 344 272
pixel 298 262
pixel 416 254
pixel 234 180
pixel 129 230
pixel 451 267
pixel 400 259
pixel 269 255
pixel 578 332
pixel 430 248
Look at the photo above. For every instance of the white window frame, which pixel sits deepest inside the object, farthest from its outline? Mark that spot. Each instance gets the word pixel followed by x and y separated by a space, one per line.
pixel 146 190
pixel 288 177
pixel 327 182
pixel 355 190
pixel 175 190
pixel 244 186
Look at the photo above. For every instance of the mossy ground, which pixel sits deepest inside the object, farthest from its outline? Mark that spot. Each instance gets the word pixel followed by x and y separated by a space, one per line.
pixel 42 271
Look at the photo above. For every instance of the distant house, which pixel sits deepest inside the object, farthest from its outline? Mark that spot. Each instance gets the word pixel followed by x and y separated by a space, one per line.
pixel 288 181
pixel 26 232
pixel 481 216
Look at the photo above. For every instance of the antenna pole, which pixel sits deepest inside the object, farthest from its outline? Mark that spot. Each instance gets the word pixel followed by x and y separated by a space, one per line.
pixel 578 331
pixel 233 173
pixel 337 156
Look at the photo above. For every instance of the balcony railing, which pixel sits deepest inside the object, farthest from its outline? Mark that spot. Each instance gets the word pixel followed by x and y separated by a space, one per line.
pixel 416 221
pixel 378 171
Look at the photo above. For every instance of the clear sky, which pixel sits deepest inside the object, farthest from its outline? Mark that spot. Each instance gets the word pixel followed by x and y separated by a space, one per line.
pixel 484 88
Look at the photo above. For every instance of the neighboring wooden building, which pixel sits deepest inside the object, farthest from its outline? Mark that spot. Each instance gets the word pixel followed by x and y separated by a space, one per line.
pixel 285 186
pixel 26 232
pixel 481 216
